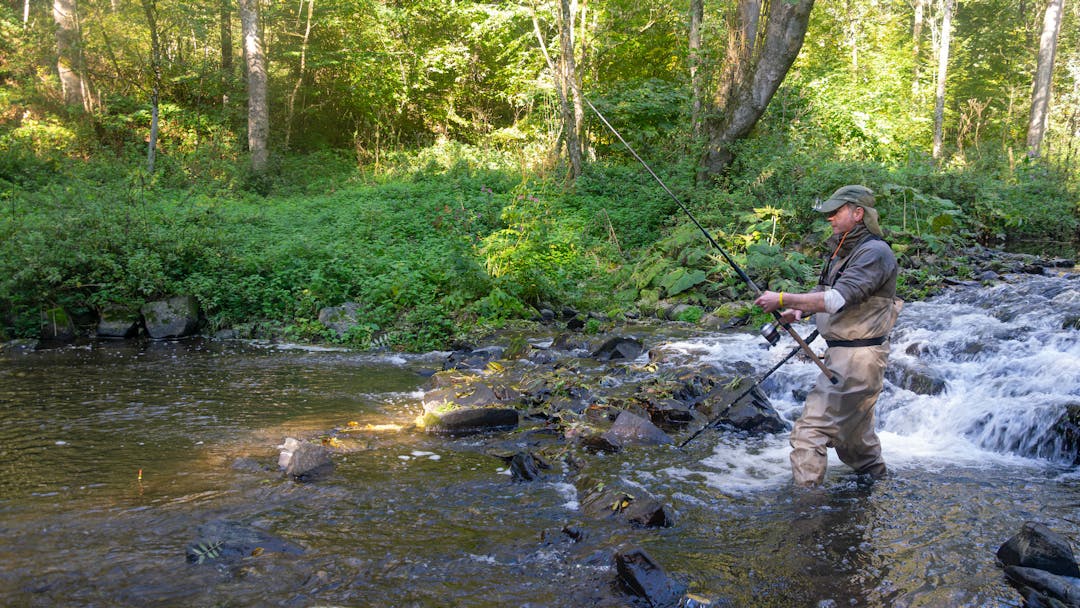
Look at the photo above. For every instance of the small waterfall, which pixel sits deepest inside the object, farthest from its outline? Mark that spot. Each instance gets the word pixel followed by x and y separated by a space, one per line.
pixel 1010 365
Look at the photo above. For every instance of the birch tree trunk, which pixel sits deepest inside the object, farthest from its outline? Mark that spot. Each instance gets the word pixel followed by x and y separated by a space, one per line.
pixel 225 32
pixel 764 38
pixel 916 37
pixel 1044 71
pixel 68 64
pixel 150 11
pixel 258 109
pixel 300 77
pixel 697 11
pixel 572 107
pixel 942 74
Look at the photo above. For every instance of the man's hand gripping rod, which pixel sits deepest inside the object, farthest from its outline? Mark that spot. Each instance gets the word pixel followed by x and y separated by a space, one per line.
pixel 779 318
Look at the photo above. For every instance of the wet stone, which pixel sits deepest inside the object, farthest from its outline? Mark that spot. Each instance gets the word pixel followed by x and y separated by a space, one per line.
pixel 640 575
pixel 471 421
pixel 1036 546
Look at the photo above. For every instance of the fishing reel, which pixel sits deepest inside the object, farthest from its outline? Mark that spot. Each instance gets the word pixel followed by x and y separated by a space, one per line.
pixel 771 333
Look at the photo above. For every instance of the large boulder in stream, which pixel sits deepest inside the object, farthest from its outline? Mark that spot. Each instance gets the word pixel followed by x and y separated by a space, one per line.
pixel 1036 546
pixel 170 319
pixel 57 326
pixel 117 323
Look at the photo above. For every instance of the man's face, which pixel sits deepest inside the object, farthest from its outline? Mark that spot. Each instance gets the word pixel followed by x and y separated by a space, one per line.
pixel 845 218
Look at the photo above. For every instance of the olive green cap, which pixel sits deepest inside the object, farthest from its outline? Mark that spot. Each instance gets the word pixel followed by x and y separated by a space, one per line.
pixel 860 196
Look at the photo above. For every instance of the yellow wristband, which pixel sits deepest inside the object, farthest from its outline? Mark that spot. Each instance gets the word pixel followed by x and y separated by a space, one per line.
pixel 780 301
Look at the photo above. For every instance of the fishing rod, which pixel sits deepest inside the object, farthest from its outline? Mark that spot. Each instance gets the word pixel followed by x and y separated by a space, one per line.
pixel 768 332
pixel 716 419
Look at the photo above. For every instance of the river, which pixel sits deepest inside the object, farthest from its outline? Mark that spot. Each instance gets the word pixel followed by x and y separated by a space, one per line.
pixel 115 457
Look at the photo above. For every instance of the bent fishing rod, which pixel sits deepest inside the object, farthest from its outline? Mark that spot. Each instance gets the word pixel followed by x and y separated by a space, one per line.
pixel 727 258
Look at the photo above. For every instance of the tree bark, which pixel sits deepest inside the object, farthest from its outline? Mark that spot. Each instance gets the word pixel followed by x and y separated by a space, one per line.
pixel 26 12
pixel 150 11
pixel 300 77
pixel 916 37
pixel 764 38
pixel 697 11
pixel 225 32
pixel 1043 81
pixel 942 74
pixel 572 108
pixel 258 109
pixel 68 62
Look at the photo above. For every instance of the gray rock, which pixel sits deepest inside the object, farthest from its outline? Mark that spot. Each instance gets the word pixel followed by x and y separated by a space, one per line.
pixel 619 349
pixel 633 506
pixel 1046 586
pixel 231 542
pixel 176 317
pixel 340 319
pixel 631 429
pixel 305 461
pixel 1036 546
pixel 117 323
pixel 916 377
pixel 56 326
pixel 470 421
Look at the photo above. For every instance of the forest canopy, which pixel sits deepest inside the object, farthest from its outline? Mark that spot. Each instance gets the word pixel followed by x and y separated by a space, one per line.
pixel 439 161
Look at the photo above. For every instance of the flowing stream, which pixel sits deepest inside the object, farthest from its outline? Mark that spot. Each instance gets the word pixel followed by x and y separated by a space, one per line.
pixel 113 458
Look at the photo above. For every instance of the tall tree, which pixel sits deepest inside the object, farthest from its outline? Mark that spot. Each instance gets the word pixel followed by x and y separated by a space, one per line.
pixel 572 111
pixel 697 11
pixel 942 74
pixel 225 32
pixel 300 74
pixel 916 37
pixel 764 38
pixel 69 62
pixel 150 11
pixel 1044 71
pixel 258 103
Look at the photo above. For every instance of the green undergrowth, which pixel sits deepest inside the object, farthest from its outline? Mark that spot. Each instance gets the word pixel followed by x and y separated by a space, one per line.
pixel 452 240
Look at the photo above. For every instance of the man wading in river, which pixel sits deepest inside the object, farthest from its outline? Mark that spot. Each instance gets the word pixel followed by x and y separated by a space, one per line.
pixel 855 308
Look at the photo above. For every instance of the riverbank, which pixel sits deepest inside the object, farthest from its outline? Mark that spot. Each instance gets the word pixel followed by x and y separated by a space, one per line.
pixel 454 241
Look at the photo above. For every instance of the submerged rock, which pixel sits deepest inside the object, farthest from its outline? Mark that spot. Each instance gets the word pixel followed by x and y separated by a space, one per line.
pixel 1040 588
pixel 640 575
pixel 634 506
pixel 230 542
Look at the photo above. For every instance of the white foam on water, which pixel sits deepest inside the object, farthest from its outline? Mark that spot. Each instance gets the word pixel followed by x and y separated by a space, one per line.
pixel 1009 369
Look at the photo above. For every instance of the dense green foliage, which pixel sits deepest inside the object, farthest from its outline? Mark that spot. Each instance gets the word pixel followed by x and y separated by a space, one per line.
pixel 413 171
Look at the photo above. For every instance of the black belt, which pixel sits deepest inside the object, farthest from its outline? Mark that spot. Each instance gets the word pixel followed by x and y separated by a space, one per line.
pixel 863 342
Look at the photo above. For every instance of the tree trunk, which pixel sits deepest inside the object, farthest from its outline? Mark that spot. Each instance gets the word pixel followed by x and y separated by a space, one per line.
pixel 697 11
pixel 225 25
pixel 150 11
pixel 300 77
pixel 942 73
pixel 764 38
pixel 1043 82
pixel 68 53
pixel 26 12
pixel 572 107
pixel 916 37
pixel 258 110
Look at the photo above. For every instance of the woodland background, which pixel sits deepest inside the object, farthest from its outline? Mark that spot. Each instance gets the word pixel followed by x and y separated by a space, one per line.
pixel 436 161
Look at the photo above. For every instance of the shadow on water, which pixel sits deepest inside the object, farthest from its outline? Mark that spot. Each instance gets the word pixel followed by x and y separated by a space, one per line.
pixel 415 520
